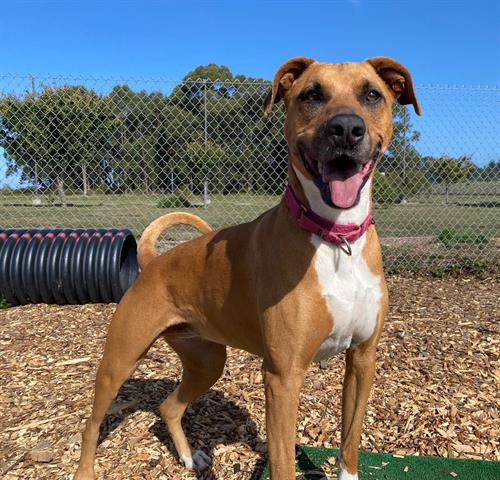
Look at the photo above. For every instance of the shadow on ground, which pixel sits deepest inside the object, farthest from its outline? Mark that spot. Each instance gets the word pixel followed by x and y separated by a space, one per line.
pixel 212 409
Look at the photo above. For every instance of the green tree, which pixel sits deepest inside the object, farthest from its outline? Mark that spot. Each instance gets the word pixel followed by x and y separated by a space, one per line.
pixel 401 154
pixel 202 160
pixel 491 172
pixel 229 110
pixel 140 118
pixel 56 138
pixel 178 128
pixel 401 162
pixel 201 85
pixel 449 170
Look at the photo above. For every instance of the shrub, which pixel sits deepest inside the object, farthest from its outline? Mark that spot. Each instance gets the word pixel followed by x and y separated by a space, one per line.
pixel 175 200
pixel 416 182
pixel 4 303
pixel 481 268
pixel 390 188
pixel 451 238
pixel 385 189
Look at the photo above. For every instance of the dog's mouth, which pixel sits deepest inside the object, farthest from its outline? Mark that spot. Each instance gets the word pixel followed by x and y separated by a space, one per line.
pixel 340 179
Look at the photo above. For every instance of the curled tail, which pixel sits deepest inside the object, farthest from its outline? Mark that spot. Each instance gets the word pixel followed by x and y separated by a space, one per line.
pixel 146 250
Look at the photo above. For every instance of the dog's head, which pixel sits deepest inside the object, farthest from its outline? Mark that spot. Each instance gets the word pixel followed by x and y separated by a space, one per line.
pixel 339 119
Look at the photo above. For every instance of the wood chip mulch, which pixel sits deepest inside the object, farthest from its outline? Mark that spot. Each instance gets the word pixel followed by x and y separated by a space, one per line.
pixel 436 391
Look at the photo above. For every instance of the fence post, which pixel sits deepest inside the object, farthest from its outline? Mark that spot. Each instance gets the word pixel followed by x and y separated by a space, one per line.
pixel 35 199
pixel 205 111
pixel 206 200
pixel 205 183
pixel 405 126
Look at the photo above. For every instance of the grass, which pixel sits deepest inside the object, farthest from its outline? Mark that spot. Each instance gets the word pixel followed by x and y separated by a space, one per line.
pixel 315 463
pixel 452 250
pixel 132 211
pixel 135 211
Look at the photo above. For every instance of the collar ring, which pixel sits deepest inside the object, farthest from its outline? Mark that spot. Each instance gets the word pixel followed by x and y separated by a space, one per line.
pixel 346 247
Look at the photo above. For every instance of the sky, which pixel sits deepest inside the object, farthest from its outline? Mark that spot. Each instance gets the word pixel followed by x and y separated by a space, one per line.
pixel 440 41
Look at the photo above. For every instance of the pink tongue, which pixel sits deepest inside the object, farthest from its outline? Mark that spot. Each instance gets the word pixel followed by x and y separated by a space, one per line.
pixel 344 192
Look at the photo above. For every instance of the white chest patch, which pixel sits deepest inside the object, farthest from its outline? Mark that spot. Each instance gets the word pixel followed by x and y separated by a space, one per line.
pixel 352 295
pixel 351 292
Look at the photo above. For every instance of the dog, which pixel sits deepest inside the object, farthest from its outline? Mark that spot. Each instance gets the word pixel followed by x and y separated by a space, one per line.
pixel 298 284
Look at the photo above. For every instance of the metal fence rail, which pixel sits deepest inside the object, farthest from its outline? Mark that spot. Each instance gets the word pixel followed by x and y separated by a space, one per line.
pixel 119 152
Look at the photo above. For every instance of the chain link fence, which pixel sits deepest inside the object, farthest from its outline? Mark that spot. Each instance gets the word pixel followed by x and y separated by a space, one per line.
pixel 119 152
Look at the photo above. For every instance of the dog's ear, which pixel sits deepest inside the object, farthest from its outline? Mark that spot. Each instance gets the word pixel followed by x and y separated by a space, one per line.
pixel 283 80
pixel 398 79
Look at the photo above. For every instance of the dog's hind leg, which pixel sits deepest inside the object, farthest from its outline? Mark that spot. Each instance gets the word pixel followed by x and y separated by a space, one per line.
pixel 203 363
pixel 134 327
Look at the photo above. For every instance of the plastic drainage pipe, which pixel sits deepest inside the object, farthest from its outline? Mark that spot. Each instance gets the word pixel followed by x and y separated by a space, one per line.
pixel 66 266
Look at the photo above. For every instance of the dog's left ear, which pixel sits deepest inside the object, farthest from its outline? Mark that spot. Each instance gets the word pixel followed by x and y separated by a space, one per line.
pixel 398 79
pixel 283 80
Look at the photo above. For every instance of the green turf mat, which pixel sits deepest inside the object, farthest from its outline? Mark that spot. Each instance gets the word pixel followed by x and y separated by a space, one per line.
pixel 382 466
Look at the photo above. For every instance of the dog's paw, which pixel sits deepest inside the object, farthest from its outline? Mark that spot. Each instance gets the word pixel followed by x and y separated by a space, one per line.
pixel 199 461
pixel 80 475
pixel 345 475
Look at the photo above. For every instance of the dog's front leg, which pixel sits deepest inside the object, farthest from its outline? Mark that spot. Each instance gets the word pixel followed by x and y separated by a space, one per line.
pixel 358 379
pixel 282 399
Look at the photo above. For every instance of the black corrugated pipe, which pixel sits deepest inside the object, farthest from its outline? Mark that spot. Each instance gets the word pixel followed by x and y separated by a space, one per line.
pixel 66 266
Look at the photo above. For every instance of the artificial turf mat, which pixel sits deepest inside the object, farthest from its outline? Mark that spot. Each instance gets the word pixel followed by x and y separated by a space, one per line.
pixel 383 466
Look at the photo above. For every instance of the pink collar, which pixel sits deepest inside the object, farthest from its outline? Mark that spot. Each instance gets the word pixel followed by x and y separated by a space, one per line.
pixel 338 234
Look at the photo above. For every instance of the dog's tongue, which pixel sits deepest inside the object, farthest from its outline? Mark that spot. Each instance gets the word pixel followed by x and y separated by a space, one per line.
pixel 345 192
pixel 344 185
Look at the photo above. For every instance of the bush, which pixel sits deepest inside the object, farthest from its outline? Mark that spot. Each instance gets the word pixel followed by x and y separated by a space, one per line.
pixel 385 189
pixel 175 200
pixel 451 238
pixel 390 187
pixel 4 303
pixel 416 182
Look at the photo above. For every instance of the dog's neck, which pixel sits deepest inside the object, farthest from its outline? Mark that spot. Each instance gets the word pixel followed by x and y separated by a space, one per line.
pixel 355 214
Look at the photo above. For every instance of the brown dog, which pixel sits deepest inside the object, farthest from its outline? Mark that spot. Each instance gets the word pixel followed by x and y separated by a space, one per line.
pixel 300 283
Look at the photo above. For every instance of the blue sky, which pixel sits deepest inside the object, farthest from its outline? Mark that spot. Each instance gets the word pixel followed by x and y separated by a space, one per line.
pixel 440 41
pixel 443 42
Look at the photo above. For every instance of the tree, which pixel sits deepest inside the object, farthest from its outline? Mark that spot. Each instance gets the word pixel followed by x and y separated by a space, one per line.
pixel 72 138
pixel 491 172
pixel 229 110
pixel 450 170
pixel 202 160
pixel 401 153
pixel 57 137
pixel 200 85
pixel 139 116
pixel 401 161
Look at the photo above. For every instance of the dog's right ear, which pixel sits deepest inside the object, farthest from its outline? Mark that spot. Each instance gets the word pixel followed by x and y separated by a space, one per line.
pixel 283 80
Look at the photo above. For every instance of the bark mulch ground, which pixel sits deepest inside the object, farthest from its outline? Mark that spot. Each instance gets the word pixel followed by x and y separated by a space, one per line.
pixel 436 391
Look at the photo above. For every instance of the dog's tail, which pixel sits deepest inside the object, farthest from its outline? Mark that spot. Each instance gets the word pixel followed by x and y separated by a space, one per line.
pixel 146 250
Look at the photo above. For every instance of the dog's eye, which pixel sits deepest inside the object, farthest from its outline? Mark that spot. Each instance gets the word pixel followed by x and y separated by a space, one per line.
pixel 311 95
pixel 373 96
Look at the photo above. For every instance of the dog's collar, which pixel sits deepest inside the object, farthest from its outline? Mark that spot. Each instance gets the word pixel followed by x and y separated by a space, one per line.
pixel 337 233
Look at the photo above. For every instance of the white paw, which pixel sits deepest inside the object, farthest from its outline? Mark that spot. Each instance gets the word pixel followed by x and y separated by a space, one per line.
pixel 345 475
pixel 199 461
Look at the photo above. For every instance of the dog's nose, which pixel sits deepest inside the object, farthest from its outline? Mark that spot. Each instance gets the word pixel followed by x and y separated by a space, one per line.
pixel 346 129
